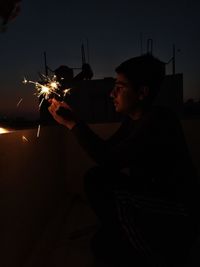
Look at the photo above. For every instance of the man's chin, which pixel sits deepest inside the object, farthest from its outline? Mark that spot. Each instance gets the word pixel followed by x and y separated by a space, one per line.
pixel 118 110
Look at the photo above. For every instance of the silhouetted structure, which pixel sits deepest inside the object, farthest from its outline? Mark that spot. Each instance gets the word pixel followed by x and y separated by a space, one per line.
pixel 191 109
pixel 85 74
pixel 171 93
pixel 91 98
pixel 64 72
pixel 92 102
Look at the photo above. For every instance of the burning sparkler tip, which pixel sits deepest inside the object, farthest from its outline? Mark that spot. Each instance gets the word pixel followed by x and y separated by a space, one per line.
pixel 25 81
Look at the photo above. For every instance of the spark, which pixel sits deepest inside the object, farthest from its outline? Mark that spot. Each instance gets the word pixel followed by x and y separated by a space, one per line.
pixel 24 139
pixel 41 103
pixel 48 88
pixel 19 102
pixel 66 91
pixel 25 81
pixel 38 131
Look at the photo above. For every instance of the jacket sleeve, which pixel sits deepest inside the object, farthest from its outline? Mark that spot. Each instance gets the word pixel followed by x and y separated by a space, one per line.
pixel 117 151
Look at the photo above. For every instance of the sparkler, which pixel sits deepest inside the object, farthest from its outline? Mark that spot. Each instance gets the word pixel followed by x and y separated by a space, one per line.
pixel 48 88
pixel 38 131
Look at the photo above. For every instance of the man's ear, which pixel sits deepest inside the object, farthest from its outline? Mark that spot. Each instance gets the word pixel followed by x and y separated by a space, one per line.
pixel 143 92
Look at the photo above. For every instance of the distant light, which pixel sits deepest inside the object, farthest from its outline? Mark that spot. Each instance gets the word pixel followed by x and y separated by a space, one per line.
pixel 3 130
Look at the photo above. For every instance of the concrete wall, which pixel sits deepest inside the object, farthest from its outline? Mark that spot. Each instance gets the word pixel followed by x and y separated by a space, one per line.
pixel 32 184
pixel 36 176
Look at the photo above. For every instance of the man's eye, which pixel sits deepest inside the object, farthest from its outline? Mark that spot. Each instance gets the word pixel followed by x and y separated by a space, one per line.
pixel 118 88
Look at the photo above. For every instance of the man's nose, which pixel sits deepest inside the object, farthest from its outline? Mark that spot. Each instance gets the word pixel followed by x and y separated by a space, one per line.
pixel 112 93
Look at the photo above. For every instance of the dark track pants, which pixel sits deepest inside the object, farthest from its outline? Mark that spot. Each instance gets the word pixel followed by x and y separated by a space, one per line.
pixel 137 229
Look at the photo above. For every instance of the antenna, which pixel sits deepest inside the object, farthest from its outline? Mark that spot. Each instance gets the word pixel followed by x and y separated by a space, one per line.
pixel 88 51
pixel 83 54
pixel 141 43
pixel 45 64
pixel 174 61
pixel 149 46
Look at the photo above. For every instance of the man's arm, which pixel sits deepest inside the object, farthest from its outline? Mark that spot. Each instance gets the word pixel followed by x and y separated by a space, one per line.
pixel 127 146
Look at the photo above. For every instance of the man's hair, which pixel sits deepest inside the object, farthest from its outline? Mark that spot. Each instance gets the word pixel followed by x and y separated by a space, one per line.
pixel 145 70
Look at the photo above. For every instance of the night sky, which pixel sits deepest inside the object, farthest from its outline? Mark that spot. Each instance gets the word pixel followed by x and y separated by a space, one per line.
pixel 113 29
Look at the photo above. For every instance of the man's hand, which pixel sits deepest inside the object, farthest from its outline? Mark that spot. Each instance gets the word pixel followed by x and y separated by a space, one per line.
pixel 62 113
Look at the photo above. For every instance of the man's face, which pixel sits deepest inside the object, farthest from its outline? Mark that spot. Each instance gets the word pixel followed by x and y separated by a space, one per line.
pixel 124 96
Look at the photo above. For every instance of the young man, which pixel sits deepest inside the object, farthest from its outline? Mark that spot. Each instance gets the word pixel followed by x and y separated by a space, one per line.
pixel 147 217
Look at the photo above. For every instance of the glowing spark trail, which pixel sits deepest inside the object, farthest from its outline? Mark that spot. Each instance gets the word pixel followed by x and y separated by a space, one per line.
pixel 66 91
pixel 24 139
pixel 38 131
pixel 19 102
pixel 41 103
